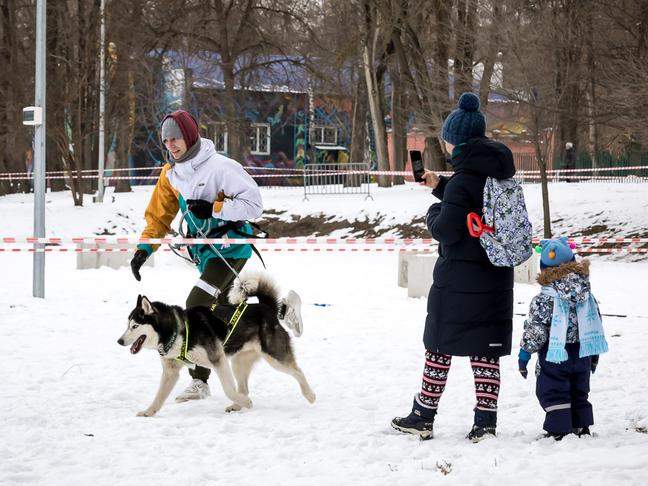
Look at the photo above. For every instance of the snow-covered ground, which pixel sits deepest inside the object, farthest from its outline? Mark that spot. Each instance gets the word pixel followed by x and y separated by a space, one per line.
pixel 70 393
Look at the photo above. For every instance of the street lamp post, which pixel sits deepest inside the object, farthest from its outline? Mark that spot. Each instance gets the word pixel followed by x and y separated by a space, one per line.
pixel 102 106
pixel 39 152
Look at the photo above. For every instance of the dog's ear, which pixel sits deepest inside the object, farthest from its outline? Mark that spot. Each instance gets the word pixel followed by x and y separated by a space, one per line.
pixel 139 300
pixel 147 307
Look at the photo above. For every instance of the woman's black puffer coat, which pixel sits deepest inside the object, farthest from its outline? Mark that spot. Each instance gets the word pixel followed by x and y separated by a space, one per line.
pixel 470 305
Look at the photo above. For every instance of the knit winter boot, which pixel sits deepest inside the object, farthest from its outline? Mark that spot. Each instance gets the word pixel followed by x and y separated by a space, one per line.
pixel 419 422
pixel 484 426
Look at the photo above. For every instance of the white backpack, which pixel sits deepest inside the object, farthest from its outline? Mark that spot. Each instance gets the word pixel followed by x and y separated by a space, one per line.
pixel 508 240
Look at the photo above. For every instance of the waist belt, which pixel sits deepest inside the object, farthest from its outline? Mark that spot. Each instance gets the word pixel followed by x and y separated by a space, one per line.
pixel 236 227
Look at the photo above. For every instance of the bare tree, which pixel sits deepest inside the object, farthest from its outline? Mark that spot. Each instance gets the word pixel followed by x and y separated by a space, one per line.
pixel 465 46
pixel 17 24
pixel 529 84
pixel 239 37
pixel 373 45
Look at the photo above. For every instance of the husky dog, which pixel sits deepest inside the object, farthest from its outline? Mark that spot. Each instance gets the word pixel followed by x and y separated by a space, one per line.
pixel 197 336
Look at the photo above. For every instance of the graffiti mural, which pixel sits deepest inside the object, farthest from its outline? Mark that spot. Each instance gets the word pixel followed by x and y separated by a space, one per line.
pixel 282 120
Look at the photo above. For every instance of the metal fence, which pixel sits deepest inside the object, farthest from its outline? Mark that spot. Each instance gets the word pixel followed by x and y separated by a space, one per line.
pixel 337 179
pixel 631 168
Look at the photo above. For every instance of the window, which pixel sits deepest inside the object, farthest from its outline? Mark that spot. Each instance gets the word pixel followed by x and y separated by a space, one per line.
pixel 321 135
pixel 219 135
pixel 260 139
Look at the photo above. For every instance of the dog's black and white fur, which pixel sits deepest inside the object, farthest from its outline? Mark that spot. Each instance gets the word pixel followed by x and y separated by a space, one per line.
pixel 258 334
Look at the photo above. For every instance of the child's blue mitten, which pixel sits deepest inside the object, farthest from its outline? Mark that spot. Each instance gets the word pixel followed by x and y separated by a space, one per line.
pixel 523 360
pixel 594 363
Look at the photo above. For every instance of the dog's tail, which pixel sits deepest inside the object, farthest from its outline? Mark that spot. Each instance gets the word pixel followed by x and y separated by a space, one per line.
pixel 255 284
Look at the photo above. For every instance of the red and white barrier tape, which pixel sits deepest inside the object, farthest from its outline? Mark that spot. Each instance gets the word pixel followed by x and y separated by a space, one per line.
pixel 150 169
pixel 62 249
pixel 611 250
pixel 95 173
pixel 591 169
pixel 134 240
pixel 310 176
pixel 118 178
pixel 335 249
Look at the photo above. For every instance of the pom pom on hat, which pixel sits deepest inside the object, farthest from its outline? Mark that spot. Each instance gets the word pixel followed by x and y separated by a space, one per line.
pixel 465 122
pixel 468 102
pixel 555 252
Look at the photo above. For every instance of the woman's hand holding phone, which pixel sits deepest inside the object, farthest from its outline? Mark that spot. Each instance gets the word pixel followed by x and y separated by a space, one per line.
pixel 430 179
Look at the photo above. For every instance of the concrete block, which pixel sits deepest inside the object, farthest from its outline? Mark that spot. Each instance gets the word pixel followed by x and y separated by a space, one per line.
pixel 403 259
pixel 528 271
pixel 112 259
pixel 420 269
pixel 415 272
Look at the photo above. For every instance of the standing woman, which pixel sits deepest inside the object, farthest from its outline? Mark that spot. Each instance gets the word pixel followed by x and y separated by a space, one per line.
pixel 470 304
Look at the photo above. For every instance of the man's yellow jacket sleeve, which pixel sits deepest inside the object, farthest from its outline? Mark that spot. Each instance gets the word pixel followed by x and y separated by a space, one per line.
pixel 161 209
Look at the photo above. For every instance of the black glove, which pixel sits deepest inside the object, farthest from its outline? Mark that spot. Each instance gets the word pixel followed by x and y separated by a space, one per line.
pixel 200 208
pixel 136 263
pixel 594 363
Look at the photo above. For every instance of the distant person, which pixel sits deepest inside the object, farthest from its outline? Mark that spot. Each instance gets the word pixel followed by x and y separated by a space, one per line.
pixel 564 327
pixel 470 304
pixel 570 162
pixel 219 194
pixel 29 168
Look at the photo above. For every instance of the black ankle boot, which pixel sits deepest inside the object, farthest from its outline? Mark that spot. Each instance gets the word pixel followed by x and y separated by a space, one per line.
pixel 478 433
pixel 419 422
pixel 484 426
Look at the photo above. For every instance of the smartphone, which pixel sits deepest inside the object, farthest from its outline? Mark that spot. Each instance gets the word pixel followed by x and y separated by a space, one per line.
pixel 416 158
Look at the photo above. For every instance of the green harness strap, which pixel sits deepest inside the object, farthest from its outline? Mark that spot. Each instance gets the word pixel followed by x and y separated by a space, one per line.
pixel 183 352
pixel 234 320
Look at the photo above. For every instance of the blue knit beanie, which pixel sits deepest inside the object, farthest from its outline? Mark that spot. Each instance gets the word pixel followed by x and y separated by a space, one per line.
pixel 556 252
pixel 465 122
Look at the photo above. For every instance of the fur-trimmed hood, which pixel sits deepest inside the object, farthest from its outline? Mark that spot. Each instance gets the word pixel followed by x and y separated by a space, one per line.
pixel 570 280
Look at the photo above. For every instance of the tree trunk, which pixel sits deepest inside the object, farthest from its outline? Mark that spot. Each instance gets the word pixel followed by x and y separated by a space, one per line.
pixel 590 92
pixel 399 122
pixel 358 130
pixel 434 156
pixel 235 147
pixel 465 31
pixel 15 139
pixel 567 76
pixel 376 112
pixel 491 55
pixel 541 157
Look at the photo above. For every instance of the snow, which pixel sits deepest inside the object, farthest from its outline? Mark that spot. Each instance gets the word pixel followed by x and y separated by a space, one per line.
pixel 71 393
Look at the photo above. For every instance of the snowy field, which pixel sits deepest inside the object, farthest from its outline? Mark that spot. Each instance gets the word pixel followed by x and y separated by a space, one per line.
pixel 71 393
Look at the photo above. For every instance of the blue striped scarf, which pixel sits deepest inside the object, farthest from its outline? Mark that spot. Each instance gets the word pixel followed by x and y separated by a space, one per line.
pixel 590 328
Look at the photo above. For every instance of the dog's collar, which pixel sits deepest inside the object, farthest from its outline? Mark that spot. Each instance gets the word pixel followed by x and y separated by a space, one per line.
pixel 164 349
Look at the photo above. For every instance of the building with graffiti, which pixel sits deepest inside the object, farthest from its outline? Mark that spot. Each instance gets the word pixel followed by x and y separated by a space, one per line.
pixel 287 120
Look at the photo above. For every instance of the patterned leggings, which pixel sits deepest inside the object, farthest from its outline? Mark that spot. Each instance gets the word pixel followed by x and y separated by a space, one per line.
pixel 485 371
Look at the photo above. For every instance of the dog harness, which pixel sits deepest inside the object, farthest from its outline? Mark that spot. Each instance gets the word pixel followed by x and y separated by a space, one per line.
pixel 234 320
pixel 163 349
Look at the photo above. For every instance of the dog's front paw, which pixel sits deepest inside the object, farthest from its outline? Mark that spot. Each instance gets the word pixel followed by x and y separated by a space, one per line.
pixel 247 403
pixel 146 413
pixel 234 407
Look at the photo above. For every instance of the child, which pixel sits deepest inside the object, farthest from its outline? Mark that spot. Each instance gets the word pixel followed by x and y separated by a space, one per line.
pixel 564 327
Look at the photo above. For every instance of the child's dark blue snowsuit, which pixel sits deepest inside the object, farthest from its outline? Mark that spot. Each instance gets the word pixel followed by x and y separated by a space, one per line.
pixel 562 389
